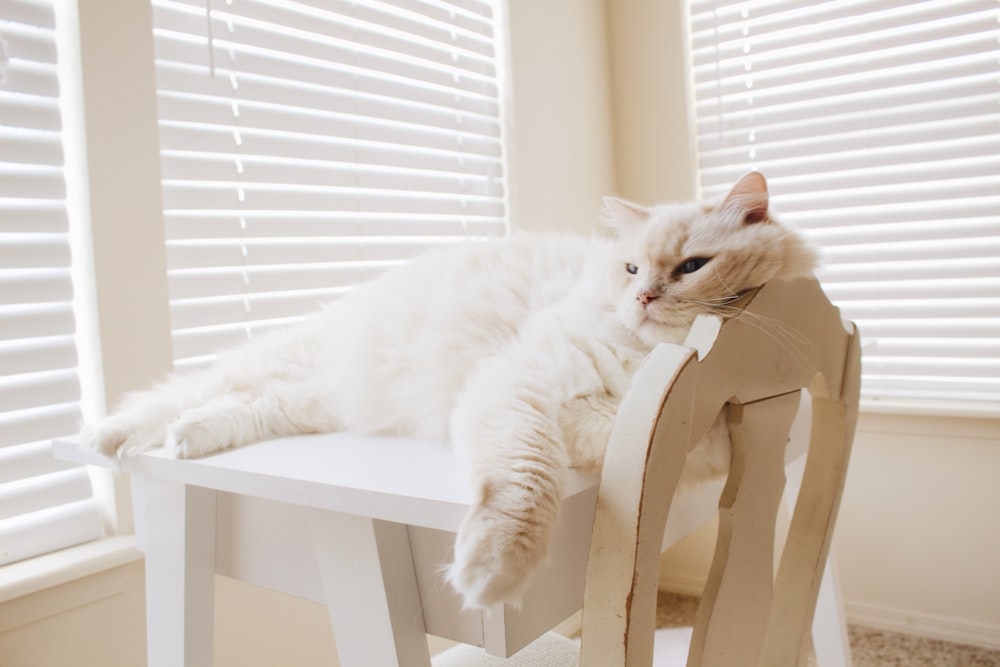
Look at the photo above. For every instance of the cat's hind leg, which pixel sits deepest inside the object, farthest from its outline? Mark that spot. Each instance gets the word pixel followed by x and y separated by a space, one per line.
pixel 140 422
pixel 241 418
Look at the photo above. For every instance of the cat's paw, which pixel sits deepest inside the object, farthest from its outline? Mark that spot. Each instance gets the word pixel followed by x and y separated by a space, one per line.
pixel 117 435
pixel 199 433
pixel 496 553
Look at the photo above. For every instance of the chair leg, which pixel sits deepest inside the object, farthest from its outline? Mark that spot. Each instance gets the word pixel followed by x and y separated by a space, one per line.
pixel 829 630
pixel 733 614
pixel 804 556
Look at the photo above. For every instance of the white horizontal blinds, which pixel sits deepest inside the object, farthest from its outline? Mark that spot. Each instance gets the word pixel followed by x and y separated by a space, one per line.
pixel 877 123
pixel 44 504
pixel 308 146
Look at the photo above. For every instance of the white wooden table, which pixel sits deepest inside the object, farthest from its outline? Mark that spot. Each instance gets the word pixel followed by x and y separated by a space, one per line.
pixel 363 525
pixel 360 524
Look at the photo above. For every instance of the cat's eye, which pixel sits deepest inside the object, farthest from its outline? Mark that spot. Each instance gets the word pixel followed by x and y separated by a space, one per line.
pixel 692 265
pixel 632 268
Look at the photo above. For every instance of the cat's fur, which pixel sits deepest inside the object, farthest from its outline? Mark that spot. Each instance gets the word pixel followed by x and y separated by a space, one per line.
pixel 517 351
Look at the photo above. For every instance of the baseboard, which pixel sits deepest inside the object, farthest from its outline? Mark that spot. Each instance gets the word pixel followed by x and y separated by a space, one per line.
pixel 681 583
pixel 923 625
pixel 888 619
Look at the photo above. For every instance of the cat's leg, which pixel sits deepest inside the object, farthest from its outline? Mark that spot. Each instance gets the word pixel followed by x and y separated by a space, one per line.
pixel 710 456
pixel 140 422
pixel 239 418
pixel 505 428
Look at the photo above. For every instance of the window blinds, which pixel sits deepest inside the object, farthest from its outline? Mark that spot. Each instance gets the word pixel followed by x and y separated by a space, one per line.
pixel 306 147
pixel 877 123
pixel 44 504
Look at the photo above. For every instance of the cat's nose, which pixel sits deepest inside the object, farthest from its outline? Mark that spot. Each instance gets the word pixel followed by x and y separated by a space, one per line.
pixel 645 296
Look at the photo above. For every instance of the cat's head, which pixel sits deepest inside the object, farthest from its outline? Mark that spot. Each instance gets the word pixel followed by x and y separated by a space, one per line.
pixel 682 260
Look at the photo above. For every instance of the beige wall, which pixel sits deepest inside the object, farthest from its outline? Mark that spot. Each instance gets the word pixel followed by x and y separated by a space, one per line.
pixel 562 159
pixel 93 621
pixel 649 84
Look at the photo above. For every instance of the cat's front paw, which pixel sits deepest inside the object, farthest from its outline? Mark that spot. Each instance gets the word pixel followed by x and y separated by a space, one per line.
pixel 497 551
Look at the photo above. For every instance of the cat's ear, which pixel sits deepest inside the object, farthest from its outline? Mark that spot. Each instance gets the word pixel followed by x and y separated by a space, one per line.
pixel 748 199
pixel 621 214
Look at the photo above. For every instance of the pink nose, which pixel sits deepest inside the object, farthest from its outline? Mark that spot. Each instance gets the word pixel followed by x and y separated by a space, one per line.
pixel 646 296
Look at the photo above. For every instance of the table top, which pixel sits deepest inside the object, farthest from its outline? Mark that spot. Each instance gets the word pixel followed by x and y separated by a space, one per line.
pixel 417 482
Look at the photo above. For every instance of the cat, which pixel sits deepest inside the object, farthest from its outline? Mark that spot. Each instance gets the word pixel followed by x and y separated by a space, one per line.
pixel 517 351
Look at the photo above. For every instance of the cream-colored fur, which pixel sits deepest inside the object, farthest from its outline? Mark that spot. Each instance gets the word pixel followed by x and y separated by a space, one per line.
pixel 517 351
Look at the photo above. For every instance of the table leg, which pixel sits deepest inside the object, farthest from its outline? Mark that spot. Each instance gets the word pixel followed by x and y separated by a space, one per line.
pixel 180 573
pixel 371 590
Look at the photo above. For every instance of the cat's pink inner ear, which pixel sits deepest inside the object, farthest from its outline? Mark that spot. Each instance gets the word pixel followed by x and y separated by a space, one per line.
pixel 622 213
pixel 749 196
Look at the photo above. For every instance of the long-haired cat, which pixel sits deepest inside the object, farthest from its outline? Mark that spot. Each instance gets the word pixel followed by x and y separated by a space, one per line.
pixel 517 351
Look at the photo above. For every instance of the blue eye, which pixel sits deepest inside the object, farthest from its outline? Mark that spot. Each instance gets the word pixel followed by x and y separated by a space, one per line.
pixel 632 268
pixel 692 265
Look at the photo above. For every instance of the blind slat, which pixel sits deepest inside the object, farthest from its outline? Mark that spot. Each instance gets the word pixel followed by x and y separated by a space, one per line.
pixel 250 224
pixel 44 492
pixel 318 174
pixel 220 281
pixel 259 142
pixel 20 462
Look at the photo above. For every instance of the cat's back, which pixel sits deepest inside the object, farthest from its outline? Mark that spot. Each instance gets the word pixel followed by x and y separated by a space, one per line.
pixel 499 279
pixel 413 335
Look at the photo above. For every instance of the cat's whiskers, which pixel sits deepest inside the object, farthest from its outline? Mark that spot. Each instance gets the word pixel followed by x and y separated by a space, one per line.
pixel 785 336
pixel 718 300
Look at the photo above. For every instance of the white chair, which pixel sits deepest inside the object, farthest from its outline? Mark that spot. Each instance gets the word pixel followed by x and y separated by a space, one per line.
pixel 342 519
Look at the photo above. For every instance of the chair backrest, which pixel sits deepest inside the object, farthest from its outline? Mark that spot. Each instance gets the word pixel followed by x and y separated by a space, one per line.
pixel 787 338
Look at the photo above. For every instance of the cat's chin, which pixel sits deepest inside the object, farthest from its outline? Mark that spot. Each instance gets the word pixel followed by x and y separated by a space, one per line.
pixel 653 332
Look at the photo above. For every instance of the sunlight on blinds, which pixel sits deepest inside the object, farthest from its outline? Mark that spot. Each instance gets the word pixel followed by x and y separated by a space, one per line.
pixel 306 147
pixel 44 504
pixel 877 124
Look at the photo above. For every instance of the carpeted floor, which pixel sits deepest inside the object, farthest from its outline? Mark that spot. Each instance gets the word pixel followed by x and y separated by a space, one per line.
pixel 869 648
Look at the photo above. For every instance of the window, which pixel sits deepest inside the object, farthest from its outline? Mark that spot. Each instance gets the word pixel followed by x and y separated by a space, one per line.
pixel 305 147
pixel 878 127
pixel 44 504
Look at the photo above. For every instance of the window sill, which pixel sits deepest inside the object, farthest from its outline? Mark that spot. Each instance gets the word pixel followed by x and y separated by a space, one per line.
pixel 930 408
pixel 42 572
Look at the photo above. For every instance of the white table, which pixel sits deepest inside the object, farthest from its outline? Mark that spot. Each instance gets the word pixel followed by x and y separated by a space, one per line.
pixel 363 525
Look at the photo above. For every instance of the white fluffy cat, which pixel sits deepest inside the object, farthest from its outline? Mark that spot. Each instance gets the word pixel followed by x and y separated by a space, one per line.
pixel 517 351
